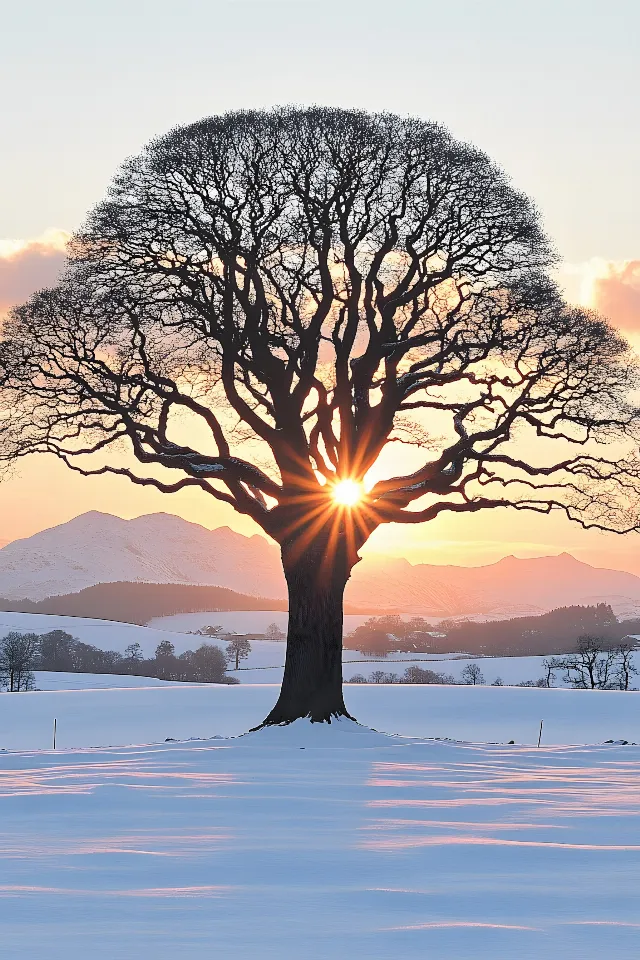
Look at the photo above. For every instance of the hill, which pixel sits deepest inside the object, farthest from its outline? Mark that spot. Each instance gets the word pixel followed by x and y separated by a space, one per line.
pixel 141 602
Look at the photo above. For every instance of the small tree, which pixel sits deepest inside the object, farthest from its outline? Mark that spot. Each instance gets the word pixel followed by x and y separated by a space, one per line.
pixel 133 654
pixel 90 659
pixel 550 666
pixel 207 664
pixel 17 656
pixel 625 667
pixel 472 674
pixel 55 651
pixel 416 674
pixel 498 682
pixel 379 676
pixel 237 649
pixel 165 660
pixel 274 632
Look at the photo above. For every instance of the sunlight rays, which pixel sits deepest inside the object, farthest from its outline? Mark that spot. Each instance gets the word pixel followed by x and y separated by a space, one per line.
pixel 347 493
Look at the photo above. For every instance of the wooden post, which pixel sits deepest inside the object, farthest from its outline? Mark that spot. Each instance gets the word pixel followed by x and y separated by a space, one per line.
pixel 540 734
pixel 55 729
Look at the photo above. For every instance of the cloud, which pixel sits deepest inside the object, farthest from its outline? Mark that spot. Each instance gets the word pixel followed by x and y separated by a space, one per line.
pixel 30 265
pixel 617 295
pixel 610 287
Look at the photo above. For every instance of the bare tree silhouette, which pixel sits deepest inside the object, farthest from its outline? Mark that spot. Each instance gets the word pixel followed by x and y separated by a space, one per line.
pixel 267 300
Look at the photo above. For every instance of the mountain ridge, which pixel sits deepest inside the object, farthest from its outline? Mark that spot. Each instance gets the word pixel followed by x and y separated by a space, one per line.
pixel 161 548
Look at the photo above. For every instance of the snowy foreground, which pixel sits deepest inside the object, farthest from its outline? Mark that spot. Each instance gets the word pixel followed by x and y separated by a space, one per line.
pixel 314 842
pixel 152 712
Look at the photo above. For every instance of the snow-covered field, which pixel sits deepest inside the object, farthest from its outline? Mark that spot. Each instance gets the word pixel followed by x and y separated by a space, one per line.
pixel 48 680
pixel 239 621
pixel 106 634
pixel 314 842
pixel 148 713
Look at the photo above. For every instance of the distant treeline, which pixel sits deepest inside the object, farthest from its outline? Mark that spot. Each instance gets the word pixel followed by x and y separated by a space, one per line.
pixel 555 632
pixel 141 602
pixel 549 633
pixel 57 651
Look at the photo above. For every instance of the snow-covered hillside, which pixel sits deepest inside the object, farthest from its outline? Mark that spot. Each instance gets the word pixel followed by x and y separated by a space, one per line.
pixel 106 634
pixel 321 842
pixel 158 548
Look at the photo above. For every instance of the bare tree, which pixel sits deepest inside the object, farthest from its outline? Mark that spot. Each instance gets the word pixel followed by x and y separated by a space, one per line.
pixel 472 674
pixel 17 656
pixel 266 300
pixel 550 665
pixel 592 667
pixel 237 649
pixel 133 654
pixel 415 674
pixel 377 676
pixel 165 661
pixel 274 632
pixel 625 665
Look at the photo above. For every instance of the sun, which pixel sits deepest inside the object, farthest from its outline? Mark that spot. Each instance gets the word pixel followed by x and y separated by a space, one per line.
pixel 347 493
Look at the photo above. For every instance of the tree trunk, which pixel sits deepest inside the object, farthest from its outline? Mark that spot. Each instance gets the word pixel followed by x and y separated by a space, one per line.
pixel 312 682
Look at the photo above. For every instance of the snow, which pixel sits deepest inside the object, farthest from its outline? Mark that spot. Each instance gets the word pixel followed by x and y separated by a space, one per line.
pixel 318 842
pixel 157 548
pixel 239 621
pixel 150 714
pixel 106 634
pixel 265 663
pixel 48 680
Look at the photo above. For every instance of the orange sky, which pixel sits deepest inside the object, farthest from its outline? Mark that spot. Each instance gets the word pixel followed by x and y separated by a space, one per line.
pixel 42 492
pixel 550 95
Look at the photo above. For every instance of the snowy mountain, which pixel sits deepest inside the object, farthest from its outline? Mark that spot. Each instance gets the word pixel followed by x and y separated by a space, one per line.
pixel 510 586
pixel 157 548
pixel 161 548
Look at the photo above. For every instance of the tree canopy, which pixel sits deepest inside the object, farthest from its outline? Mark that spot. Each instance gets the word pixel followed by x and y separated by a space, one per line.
pixel 322 282
pixel 266 300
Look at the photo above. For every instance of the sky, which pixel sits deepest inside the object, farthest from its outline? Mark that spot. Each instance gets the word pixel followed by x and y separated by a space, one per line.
pixel 548 89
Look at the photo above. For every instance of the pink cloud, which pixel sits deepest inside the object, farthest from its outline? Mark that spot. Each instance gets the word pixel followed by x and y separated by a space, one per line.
pixel 616 295
pixel 27 266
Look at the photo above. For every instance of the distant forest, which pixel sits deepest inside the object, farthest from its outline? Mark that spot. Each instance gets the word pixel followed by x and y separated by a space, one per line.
pixel 23 653
pixel 549 633
pixel 141 602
